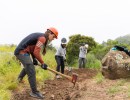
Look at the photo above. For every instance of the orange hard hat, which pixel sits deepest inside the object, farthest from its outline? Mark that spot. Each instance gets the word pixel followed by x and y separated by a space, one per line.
pixel 54 30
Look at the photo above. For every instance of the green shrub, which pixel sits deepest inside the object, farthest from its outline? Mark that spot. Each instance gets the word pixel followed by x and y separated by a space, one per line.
pixel 92 62
pixel 99 78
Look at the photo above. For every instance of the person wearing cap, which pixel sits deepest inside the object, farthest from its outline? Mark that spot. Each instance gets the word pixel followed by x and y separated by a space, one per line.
pixel 82 55
pixel 32 45
pixel 60 57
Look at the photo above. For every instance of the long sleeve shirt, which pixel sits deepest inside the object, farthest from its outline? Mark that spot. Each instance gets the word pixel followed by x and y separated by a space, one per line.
pixel 82 52
pixel 32 44
pixel 61 52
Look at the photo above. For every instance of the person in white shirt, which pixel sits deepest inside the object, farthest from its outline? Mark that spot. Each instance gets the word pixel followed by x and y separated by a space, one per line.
pixel 60 57
pixel 82 55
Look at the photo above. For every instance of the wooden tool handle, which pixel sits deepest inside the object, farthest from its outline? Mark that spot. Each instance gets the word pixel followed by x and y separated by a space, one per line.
pixel 66 76
pixel 54 71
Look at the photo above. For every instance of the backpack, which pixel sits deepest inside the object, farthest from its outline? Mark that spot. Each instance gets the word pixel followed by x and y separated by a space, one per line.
pixel 120 48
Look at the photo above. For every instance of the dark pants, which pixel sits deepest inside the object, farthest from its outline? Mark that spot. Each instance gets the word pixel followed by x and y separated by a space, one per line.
pixel 28 69
pixel 60 64
pixel 82 62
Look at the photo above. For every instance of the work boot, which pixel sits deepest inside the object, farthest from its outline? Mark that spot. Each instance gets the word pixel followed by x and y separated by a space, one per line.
pixel 37 95
pixel 58 76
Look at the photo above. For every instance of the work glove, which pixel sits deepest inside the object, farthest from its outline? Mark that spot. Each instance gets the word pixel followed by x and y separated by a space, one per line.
pixel 35 62
pixel 44 66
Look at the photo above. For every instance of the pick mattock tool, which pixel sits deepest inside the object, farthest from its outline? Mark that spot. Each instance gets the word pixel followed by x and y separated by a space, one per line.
pixel 73 79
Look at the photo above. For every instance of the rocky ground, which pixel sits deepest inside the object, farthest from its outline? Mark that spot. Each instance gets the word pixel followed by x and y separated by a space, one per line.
pixel 86 88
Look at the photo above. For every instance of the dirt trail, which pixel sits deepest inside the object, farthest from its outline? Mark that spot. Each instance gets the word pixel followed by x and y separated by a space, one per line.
pixel 85 89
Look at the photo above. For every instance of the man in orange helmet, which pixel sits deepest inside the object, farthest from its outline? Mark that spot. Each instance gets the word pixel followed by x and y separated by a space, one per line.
pixel 32 45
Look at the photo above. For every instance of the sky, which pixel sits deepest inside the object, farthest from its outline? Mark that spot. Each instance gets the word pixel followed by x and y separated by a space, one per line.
pixel 100 19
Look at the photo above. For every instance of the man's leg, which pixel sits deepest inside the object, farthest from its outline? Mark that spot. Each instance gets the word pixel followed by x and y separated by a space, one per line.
pixel 84 62
pixel 57 58
pixel 62 66
pixel 80 62
pixel 21 75
pixel 29 69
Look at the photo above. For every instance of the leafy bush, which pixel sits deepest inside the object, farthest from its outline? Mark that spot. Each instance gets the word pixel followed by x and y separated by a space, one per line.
pixel 92 62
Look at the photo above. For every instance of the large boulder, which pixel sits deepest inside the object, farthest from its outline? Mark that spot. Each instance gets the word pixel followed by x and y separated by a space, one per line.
pixel 111 66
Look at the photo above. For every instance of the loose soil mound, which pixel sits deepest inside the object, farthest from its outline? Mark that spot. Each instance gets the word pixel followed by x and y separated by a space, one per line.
pixel 59 89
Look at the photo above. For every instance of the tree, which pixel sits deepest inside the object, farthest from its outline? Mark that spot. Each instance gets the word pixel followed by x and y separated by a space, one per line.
pixel 74 44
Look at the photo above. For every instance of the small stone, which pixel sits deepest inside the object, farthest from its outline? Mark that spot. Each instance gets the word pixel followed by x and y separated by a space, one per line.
pixel 52 96
pixel 43 93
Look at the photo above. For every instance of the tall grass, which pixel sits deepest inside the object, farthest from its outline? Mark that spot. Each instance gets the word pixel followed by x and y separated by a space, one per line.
pixel 49 58
pixel 7 48
pixel 92 62
pixel 8 72
pixel 10 69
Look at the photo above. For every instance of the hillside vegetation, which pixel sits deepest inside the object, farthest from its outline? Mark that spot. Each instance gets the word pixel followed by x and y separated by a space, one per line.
pixel 124 39
pixel 10 68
